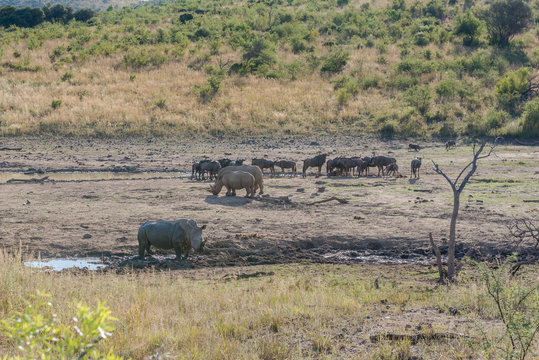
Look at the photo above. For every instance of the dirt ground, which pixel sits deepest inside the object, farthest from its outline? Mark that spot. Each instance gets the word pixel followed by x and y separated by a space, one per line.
pixel 99 214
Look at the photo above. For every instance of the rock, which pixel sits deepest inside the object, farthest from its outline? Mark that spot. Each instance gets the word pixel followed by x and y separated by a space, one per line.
pixel 314 143
pixel 86 236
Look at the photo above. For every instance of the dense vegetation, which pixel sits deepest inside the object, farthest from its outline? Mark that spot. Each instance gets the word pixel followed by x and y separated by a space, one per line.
pixel 30 17
pixel 400 68
pixel 75 4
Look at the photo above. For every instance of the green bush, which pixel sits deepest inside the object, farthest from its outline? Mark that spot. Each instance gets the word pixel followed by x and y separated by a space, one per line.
pixel 511 87
pixel 39 334
pixel 530 119
pixel 506 18
pixel 210 89
pixel 343 96
pixel 258 56
pixel 516 300
pixel 373 81
pixel 56 103
pixel 139 58
pixel 334 62
pixel 68 75
pixel 434 8
pixel 469 27
pixel 419 98
pixel 415 66
pixel 446 88
pixel 495 120
pixel 402 82
pixel 389 128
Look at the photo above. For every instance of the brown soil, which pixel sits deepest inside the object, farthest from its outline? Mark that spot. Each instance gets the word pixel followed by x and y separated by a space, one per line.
pixel 383 216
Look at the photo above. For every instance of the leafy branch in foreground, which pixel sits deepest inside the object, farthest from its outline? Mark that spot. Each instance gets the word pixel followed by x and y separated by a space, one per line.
pixel 517 304
pixel 39 334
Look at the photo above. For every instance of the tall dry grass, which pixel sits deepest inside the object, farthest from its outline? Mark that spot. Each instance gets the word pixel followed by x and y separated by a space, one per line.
pixel 294 311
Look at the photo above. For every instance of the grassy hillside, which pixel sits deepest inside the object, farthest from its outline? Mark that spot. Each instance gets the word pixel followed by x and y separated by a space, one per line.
pixel 404 68
pixel 75 4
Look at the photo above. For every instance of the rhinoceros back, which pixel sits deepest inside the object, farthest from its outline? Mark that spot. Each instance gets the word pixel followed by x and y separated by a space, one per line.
pixel 162 234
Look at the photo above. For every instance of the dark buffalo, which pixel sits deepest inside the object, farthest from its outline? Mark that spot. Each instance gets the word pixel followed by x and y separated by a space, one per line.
pixel 283 164
pixel 450 144
pixel 414 147
pixel 224 162
pixel 195 169
pixel 382 161
pixel 211 167
pixel 415 165
pixel 392 169
pixel 264 164
pixel 317 161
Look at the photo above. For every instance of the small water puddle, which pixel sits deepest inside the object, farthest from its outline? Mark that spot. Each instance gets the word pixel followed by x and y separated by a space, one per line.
pixel 62 264
pixel 378 259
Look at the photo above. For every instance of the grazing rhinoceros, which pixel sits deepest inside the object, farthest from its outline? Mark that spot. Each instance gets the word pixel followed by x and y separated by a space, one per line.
pixel 179 235
pixel 253 170
pixel 234 180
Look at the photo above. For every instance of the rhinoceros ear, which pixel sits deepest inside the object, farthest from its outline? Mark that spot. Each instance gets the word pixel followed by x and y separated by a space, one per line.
pixel 203 226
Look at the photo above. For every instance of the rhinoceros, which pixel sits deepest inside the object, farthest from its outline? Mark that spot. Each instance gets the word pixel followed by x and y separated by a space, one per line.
pixel 234 180
pixel 179 235
pixel 253 170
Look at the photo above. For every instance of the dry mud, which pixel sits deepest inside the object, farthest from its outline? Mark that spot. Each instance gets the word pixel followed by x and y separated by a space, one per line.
pixel 88 210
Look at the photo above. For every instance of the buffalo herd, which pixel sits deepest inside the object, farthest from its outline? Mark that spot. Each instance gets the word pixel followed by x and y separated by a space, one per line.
pixel 234 175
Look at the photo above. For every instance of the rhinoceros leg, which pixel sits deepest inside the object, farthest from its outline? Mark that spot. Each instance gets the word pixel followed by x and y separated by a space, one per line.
pixel 143 243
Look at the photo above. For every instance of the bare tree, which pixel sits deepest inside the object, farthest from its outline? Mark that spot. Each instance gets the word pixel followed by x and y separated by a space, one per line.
pixel 524 238
pixel 457 190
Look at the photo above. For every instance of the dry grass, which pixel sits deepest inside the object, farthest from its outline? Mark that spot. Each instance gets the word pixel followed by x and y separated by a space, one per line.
pixel 103 99
pixel 300 311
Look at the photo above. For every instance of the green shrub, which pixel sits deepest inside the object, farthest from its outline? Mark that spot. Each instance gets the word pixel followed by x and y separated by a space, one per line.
pixel 421 38
pixel 210 89
pixel 343 96
pixel 139 58
pixel 516 300
pixel 506 18
pixel 511 87
pixel 402 82
pixel 530 119
pixel 469 27
pixel 447 130
pixel 258 56
pixel 299 45
pixel 446 88
pixel 56 103
pixel 389 128
pixel 419 98
pixel 415 66
pixel 334 62
pixel 161 103
pixel 496 119
pixel 68 75
pixel 371 81
pixel 40 334
pixel 434 8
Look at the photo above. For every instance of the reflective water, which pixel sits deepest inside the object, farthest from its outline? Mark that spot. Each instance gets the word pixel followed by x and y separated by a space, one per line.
pixel 64 263
pixel 89 176
pixel 379 259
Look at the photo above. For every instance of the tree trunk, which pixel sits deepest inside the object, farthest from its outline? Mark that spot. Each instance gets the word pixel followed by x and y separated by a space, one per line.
pixel 452 230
